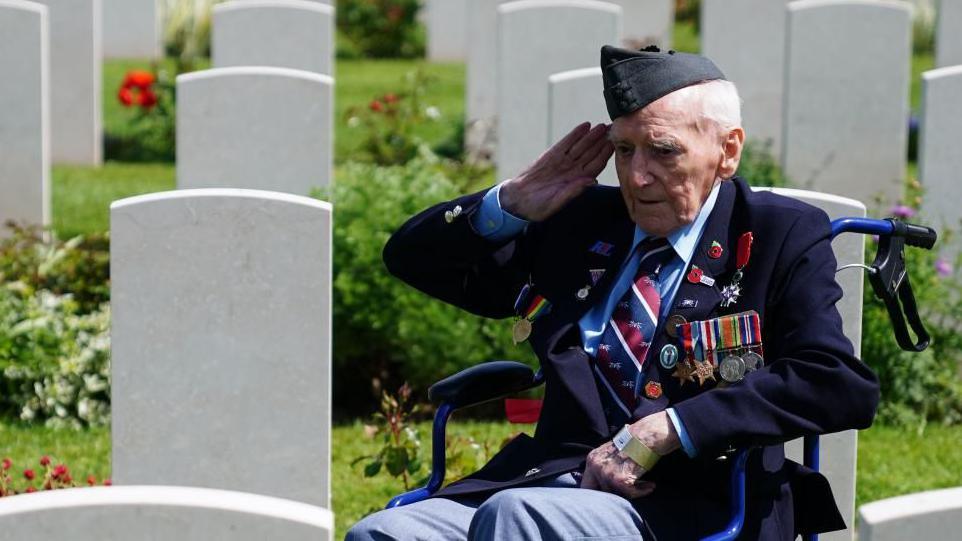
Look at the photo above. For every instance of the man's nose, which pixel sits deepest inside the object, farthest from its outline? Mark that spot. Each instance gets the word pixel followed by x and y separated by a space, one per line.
pixel 640 173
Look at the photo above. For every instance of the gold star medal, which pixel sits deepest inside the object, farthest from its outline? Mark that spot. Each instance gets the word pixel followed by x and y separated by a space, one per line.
pixel 683 372
pixel 704 371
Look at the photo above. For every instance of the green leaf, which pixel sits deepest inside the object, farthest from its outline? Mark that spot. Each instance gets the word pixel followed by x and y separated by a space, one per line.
pixel 396 460
pixel 372 469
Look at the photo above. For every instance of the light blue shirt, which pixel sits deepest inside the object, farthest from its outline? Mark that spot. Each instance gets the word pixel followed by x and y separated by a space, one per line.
pixel 494 223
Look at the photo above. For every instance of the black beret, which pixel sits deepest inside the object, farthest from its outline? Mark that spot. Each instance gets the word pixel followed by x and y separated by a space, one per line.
pixel 633 79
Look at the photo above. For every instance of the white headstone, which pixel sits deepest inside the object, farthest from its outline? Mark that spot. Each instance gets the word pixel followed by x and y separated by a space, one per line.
pixel 939 158
pixel 847 97
pixel 76 118
pixel 160 512
pixel 131 29
pixel 948 34
pixel 746 39
pixel 574 97
pixel 838 451
pixel 935 514
pixel 446 24
pixel 221 342
pixel 647 22
pixel 570 34
pixel 254 127
pixel 296 34
pixel 24 113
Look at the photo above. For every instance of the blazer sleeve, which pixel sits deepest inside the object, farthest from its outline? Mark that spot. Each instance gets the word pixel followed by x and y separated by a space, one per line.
pixel 812 382
pixel 454 263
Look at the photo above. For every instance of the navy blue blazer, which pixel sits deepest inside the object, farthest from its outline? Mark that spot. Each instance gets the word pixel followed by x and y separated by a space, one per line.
pixel 812 383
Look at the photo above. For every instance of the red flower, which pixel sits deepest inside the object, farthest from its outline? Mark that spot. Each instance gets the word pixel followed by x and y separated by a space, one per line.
pixel 139 78
pixel 148 99
pixel 376 106
pixel 60 471
pixel 67 479
pixel 391 98
pixel 31 490
pixel 7 463
pixel 91 480
pixel 29 474
pixel 45 460
pixel 108 482
pixel 125 96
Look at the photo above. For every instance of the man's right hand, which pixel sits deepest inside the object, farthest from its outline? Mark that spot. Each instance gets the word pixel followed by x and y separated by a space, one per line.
pixel 559 175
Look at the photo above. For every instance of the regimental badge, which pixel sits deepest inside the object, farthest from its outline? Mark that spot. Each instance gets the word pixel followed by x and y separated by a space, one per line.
pixel 668 356
pixel 653 390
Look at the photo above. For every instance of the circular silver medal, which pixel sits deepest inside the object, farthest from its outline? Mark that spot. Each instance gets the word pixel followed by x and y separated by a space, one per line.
pixel 753 361
pixel 732 369
pixel 669 356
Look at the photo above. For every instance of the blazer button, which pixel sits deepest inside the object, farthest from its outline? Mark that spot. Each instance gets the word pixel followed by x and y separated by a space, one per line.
pixel 450 215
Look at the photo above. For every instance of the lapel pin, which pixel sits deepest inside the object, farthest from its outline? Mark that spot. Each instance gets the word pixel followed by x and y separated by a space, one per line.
pixel 602 248
pixel 716 250
pixel 653 390
pixel 668 357
pixel 596 275
pixel 688 303
pixel 583 293
pixel 697 276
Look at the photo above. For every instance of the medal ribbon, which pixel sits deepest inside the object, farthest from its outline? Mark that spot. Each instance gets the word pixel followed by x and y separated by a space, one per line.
pixel 744 250
pixel 536 307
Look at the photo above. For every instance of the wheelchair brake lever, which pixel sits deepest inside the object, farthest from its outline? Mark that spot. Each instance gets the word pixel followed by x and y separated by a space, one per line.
pixel 890 281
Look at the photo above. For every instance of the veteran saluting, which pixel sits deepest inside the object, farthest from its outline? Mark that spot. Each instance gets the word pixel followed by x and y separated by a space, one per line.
pixel 675 318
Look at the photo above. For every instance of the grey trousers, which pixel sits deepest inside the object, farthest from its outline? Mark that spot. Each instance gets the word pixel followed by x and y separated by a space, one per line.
pixel 553 510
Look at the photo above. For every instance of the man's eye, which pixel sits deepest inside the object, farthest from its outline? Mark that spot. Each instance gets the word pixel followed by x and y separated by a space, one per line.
pixel 665 151
pixel 624 150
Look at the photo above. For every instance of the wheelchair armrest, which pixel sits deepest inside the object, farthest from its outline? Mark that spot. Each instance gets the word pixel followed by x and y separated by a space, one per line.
pixel 483 382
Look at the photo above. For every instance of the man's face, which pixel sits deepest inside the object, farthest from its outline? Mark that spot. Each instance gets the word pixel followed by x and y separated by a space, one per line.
pixel 667 159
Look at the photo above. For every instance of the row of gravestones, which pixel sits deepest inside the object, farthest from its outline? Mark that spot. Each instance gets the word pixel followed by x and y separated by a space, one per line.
pixel 262 118
pixel 825 82
pixel 221 376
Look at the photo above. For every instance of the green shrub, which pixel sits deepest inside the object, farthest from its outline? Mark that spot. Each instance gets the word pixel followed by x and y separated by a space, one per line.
pixel 384 331
pixel 54 361
pixel 759 168
pixel 382 28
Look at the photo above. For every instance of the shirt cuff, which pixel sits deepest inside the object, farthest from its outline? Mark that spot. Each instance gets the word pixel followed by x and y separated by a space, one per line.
pixel 493 222
pixel 686 443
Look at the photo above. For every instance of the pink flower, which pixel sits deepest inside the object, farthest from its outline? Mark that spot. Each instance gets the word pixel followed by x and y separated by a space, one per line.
pixel 60 471
pixel 29 474
pixel 943 267
pixel 902 211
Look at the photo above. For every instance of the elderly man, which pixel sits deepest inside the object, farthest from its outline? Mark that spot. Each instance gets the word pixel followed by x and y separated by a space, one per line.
pixel 675 319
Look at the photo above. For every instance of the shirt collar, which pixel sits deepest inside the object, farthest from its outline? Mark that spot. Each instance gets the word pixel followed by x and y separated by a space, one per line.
pixel 685 239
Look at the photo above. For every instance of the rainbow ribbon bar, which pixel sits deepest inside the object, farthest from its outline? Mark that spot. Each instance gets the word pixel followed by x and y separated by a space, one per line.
pixel 537 307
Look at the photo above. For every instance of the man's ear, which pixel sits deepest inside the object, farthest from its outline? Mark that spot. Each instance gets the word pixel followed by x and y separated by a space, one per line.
pixel 732 145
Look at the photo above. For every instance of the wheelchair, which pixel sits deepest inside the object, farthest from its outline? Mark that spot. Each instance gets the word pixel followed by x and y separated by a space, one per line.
pixel 498 379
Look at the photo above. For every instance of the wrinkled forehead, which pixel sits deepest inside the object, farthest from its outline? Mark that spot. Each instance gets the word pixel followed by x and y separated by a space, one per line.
pixel 671 115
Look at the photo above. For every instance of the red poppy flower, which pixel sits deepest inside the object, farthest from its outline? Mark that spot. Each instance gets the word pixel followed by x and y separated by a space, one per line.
pixel 139 78
pixel 7 463
pixel 125 96
pixel 108 482
pixel 715 252
pixel 31 490
pixel 148 99
pixel 91 480
pixel 45 460
pixel 29 474
pixel 391 98
pixel 376 106
pixel 60 471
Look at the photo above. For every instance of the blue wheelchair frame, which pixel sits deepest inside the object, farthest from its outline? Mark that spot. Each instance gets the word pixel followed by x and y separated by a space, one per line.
pixel 497 379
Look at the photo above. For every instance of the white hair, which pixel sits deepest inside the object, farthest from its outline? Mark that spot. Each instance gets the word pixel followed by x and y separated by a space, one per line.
pixel 717 101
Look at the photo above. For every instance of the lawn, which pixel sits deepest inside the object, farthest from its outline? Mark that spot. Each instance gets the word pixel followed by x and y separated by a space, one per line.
pixel 891 461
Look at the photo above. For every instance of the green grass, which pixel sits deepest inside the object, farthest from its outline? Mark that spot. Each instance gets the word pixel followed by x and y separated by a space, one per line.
pixel 891 461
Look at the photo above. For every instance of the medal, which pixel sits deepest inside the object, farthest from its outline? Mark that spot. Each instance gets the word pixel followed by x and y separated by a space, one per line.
pixel 683 372
pixel 753 361
pixel 668 356
pixel 653 390
pixel 732 291
pixel 732 369
pixel 704 371
pixel 671 326
pixel 521 331
pixel 523 327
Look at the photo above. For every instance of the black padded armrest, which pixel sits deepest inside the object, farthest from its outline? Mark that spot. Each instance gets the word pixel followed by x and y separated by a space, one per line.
pixel 482 383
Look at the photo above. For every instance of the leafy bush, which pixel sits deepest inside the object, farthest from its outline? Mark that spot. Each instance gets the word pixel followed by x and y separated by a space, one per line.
pixel 381 28
pixel 759 168
pixel 384 329
pixel 152 133
pixel 54 361
pixel 79 267
pixel 918 388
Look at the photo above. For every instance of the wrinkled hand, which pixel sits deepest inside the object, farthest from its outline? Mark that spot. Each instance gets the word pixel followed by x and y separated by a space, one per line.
pixel 609 471
pixel 559 175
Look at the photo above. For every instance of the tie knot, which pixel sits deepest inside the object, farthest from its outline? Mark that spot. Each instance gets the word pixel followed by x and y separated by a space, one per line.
pixel 654 251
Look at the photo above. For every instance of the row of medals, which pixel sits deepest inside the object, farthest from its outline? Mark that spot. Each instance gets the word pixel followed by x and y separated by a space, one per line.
pixel 734 365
